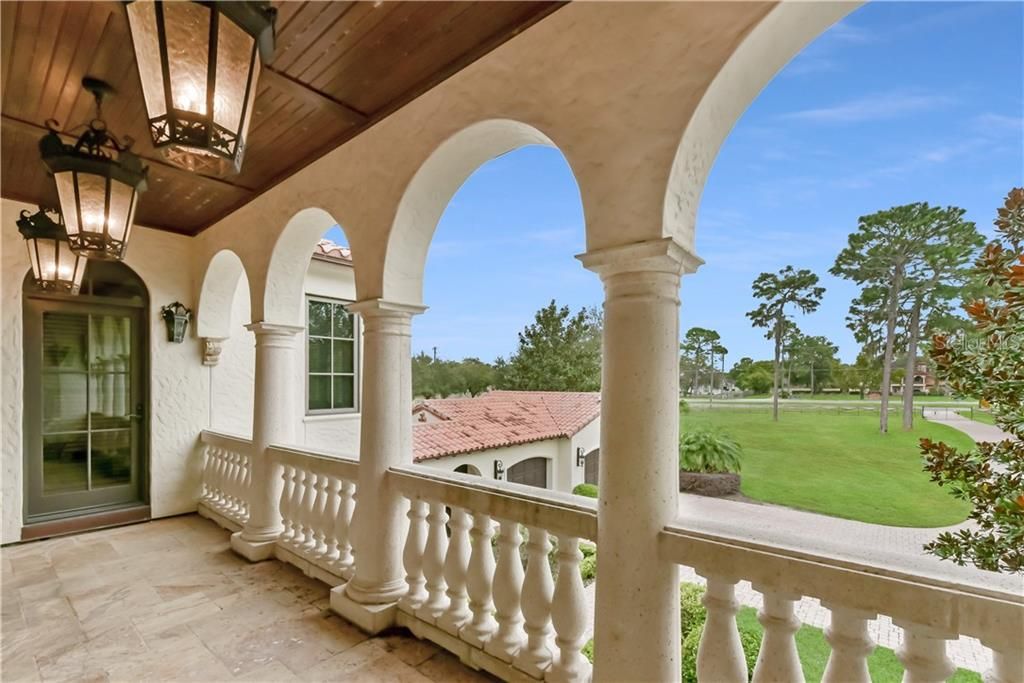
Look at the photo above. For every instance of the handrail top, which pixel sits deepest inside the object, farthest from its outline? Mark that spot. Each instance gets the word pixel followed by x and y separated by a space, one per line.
pixel 870 561
pixel 212 436
pixel 298 450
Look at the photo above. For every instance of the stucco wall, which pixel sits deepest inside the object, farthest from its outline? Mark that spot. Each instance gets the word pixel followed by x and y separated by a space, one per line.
pixel 178 385
pixel 231 380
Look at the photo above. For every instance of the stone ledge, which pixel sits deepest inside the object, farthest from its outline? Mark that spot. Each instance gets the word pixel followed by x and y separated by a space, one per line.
pixel 370 618
pixel 217 518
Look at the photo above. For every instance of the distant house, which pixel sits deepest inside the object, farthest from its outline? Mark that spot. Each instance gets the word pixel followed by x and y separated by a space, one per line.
pixel 548 439
pixel 923 382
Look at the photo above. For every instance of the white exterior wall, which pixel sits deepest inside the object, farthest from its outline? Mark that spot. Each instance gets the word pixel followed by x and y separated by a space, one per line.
pixel 178 386
pixel 563 474
pixel 232 378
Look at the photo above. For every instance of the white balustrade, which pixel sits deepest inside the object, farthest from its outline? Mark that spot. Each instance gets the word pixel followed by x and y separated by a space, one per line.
pixel 226 478
pixel 316 507
pixel 507 619
pixel 855 588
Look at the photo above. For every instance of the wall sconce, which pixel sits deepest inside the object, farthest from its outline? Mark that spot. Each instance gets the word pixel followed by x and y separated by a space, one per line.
pixel 499 469
pixel 176 316
pixel 581 458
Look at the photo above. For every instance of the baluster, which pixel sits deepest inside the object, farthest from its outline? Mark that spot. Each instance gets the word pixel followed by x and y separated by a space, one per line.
pixel 1007 659
pixel 298 493
pixel 207 490
pixel 847 634
pixel 218 482
pixel 535 656
pixel 923 654
pixel 319 544
pixel 412 557
pixel 433 564
pixel 342 566
pixel 306 512
pixel 720 653
pixel 330 554
pixel 287 475
pixel 246 485
pixel 456 564
pixel 478 583
pixel 778 659
pixel 234 502
pixel 568 608
pixel 508 582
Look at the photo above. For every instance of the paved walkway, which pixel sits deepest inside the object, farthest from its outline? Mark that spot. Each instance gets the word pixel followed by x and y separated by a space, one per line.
pixel 979 431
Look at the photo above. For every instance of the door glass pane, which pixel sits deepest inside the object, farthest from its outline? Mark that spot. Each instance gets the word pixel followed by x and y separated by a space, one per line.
pixel 319 392
pixel 344 391
pixel 111 458
pixel 64 341
pixel 320 318
pixel 343 355
pixel 65 463
pixel 64 401
pixel 110 399
pixel 319 355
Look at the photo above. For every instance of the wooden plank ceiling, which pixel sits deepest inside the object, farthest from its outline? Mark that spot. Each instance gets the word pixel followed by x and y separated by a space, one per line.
pixel 338 68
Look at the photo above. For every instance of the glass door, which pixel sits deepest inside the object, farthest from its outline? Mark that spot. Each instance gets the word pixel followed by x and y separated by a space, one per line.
pixel 84 407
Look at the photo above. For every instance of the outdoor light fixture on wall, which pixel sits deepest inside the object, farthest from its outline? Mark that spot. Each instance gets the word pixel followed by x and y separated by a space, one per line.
pixel 499 469
pixel 176 317
pixel 199 63
pixel 581 458
pixel 97 192
pixel 54 266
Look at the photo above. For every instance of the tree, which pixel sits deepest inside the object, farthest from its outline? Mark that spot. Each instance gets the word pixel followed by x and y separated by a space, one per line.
pixel 559 351
pixel 991 475
pixel 475 376
pixel 789 287
pixel 815 356
pixel 701 344
pixel 901 257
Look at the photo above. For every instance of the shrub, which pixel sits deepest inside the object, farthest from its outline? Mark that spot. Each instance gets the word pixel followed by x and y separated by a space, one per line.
pixel 691 610
pixel 588 568
pixel 588 490
pixel 588 650
pixel 684 407
pixel 708 451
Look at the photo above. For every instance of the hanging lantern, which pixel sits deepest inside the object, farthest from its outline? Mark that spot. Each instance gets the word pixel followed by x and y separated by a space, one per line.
pixel 54 266
pixel 97 192
pixel 199 63
pixel 176 317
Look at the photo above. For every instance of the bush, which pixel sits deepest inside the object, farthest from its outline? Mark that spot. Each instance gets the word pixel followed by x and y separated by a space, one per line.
pixel 588 490
pixel 588 650
pixel 691 610
pixel 709 451
pixel 588 569
pixel 684 407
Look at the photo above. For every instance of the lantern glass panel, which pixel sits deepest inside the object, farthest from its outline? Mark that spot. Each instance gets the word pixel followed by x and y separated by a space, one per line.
pixel 65 181
pixel 142 17
pixel 92 202
pixel 187 27
pixel 234 56
pixel 44 266
pixel 121 199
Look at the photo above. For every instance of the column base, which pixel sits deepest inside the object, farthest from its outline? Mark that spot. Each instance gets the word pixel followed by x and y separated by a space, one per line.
pixel 254 551
pixel 370 618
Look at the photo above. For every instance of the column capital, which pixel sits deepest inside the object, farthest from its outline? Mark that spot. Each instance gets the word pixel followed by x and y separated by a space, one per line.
pixel 369 308
pixel 663 255
pixel 212 347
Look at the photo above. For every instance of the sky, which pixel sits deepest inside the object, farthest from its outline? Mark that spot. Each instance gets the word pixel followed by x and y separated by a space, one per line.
pixel 898 103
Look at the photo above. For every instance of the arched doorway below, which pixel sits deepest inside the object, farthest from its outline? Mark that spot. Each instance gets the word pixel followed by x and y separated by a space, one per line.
pixel 86 431
pixel 532 471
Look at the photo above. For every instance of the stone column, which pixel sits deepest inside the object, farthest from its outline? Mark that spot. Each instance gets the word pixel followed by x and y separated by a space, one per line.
pixel 637 607
pixel 273 423
pixel 379 520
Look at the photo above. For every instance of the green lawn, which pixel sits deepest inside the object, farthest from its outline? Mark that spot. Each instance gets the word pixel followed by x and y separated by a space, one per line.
pixel 896 399
pixel 839 465
pixel 981 416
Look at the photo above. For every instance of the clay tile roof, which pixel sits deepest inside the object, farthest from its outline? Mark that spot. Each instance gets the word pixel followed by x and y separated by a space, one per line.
pixel 327 250
pixel 500 418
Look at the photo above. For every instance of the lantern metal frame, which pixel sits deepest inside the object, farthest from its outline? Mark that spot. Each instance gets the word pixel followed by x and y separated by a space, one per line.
pixel 93 153
pixel 176 316
pixel 39 226
pixel 193 140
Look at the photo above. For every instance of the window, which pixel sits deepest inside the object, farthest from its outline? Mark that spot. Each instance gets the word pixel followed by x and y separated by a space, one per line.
pixel 331 362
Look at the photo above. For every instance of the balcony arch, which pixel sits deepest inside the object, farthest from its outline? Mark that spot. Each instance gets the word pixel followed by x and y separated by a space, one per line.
pixel 431 190
pixel 777 39
pixel 220 282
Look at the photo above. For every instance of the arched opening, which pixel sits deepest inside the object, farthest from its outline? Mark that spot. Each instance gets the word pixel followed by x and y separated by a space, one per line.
pixel 86 395
pixel 532 472
pixel 468 469
pixel 309 284
pixel 224 311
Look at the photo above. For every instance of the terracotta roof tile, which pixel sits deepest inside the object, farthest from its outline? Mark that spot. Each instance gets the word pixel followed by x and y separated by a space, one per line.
pixel 500 418
pixel 329 251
